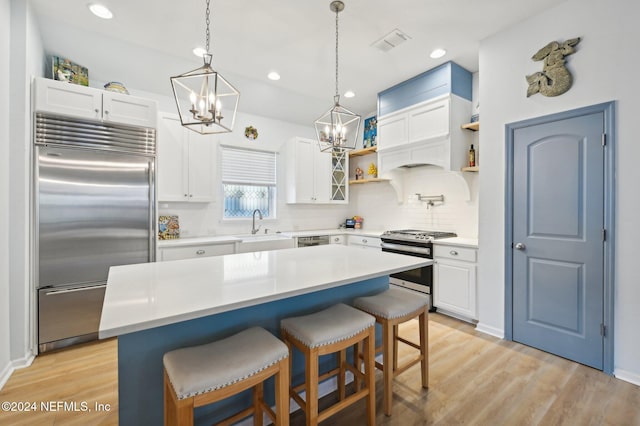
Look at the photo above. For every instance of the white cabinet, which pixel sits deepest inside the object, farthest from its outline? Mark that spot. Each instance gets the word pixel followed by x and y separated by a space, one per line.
pixel 454 280
pixel 189 252
pixel 185 162
pixel 58 97
pixel 364 242
pixel 308 172
pixel 337 239
pixel 426 133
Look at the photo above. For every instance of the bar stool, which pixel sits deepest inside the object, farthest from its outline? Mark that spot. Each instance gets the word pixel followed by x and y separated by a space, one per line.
pixel 391 308
pixel 200 375
pixel 332 330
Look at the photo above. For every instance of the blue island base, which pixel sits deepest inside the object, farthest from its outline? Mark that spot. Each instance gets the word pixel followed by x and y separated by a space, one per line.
pixel 140 377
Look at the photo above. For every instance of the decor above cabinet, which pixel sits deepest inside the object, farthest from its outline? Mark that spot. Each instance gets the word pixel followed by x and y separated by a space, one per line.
pixel 62 98
pixel 185 162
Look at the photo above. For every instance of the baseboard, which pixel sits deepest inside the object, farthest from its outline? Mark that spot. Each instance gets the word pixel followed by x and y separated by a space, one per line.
pixel 627 376
pixel 13 366
pixel 487 329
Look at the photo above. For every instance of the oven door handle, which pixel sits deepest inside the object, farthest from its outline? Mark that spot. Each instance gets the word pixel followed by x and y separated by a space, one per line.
pixel 409 250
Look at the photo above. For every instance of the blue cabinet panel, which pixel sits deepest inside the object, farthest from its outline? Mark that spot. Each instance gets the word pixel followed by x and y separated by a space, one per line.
pixel 446 78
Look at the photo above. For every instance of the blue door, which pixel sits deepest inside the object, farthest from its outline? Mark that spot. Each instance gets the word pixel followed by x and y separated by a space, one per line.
pixel 558 237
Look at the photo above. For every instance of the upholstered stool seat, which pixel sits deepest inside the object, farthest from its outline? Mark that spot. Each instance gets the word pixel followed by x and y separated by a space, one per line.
pixel 332 330
pixel 201 375
pixel 391 308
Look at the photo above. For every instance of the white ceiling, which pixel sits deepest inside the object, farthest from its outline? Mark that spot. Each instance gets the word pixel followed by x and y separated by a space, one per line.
pixel 148 41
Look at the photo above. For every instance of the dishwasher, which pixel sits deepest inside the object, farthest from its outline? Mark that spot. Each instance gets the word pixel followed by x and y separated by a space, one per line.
pixel 315 240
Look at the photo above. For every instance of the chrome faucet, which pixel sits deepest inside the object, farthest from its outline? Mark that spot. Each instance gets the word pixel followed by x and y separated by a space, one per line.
pixel 255 230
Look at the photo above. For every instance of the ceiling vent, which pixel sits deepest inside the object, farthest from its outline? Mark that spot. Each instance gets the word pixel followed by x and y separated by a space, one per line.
pixel 391 40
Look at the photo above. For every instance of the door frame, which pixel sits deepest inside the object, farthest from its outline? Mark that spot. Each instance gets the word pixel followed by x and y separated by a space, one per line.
pixel 608 110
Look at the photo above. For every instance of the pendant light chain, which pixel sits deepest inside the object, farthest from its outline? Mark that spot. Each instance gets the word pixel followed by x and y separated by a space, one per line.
pixel 208 21
pixel 337 93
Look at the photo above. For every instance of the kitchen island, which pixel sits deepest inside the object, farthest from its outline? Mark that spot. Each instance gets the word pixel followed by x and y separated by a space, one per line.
pixel 157 307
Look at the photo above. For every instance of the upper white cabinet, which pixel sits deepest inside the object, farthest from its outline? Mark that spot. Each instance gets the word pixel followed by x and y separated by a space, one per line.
pixel 454 280
pixel 58 97
pixel 427 133
pixel 185 162
pixel 308 172
pixel 419 120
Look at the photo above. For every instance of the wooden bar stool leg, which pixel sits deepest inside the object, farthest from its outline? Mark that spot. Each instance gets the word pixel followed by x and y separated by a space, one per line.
pixel 424 348
pixel 342 358
pixel 370 375
pixel 311 386
pixel 395 347
pixel 387 369
pixel 258 396
pixel 357 365
pixel 282 394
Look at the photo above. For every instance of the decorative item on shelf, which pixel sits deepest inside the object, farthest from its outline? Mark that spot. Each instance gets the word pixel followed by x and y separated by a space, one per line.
pixel 114 86
pixel 475 118
pixel 555 78
pixel 338 128
pixel 370 132
pixel 373 170
pixel 359 173
pixel 251 133
pixel 168 228
pixel 64 70
pixel 206 101
pixel 358 222
pixel 472 157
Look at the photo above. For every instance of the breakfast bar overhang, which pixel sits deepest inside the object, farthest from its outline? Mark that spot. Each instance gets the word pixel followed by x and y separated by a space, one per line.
pixel 156 307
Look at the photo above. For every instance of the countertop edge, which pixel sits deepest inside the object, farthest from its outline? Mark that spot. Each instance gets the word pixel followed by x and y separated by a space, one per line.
pixel 458 242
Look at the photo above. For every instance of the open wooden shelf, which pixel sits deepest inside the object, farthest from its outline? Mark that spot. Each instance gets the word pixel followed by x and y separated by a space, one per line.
pixel 470 169
pixel 363 151
pixel 351 182
pixel 475 126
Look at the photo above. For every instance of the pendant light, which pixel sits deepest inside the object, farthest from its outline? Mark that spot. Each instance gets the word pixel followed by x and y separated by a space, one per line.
pixel 338 128
pixel 207 102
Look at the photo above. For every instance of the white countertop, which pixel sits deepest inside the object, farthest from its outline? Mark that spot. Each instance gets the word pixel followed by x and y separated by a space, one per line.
pixel 458 241
pixel 148 295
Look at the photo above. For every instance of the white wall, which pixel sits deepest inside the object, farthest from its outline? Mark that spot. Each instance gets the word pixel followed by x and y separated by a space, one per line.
pixel 605 68
pixel 379 202
pixel 5 339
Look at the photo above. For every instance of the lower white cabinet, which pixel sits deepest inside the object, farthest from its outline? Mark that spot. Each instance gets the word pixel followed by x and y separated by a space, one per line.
pixel 364 242
pixel 455 280
pixel 189 252
pixel 337 239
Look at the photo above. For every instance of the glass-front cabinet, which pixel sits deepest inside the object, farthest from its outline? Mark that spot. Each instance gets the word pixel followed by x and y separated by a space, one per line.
pixel 339 173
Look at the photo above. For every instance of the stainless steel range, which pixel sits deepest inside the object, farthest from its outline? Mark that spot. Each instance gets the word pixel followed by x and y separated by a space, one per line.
pixel 414 242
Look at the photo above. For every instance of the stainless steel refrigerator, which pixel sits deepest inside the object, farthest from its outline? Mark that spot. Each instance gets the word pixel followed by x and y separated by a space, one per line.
pixel 94 208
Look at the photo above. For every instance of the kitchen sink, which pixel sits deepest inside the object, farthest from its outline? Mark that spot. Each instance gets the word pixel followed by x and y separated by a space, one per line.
pixel 262 242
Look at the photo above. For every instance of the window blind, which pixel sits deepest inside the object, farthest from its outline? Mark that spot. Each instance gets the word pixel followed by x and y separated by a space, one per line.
pixel 245 166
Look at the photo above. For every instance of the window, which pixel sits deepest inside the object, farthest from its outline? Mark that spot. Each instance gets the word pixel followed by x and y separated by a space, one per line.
pixel 249 182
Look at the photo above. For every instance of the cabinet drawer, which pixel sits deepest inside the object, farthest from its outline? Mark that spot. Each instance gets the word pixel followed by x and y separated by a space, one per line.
pixel 452 252
pixel 358 240
pixel 177 253
pixel 337 239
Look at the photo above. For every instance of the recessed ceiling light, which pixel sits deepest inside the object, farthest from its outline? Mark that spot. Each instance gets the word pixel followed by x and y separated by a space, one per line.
pixel 273 76
pixel 199 51
pixel 349 94
pixel 100 11
pixel 437 53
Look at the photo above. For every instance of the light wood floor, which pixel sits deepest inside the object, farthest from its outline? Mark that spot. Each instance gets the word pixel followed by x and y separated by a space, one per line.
pixel 475 379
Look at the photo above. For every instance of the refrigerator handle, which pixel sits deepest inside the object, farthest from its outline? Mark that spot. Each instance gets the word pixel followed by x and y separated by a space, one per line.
pixel 72 290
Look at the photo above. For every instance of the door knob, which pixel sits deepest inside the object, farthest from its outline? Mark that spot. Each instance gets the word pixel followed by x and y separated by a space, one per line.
pixel 520 246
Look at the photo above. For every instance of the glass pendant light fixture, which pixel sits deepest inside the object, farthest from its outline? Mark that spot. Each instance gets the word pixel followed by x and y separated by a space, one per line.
pixel 207 102
pixel 338 128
